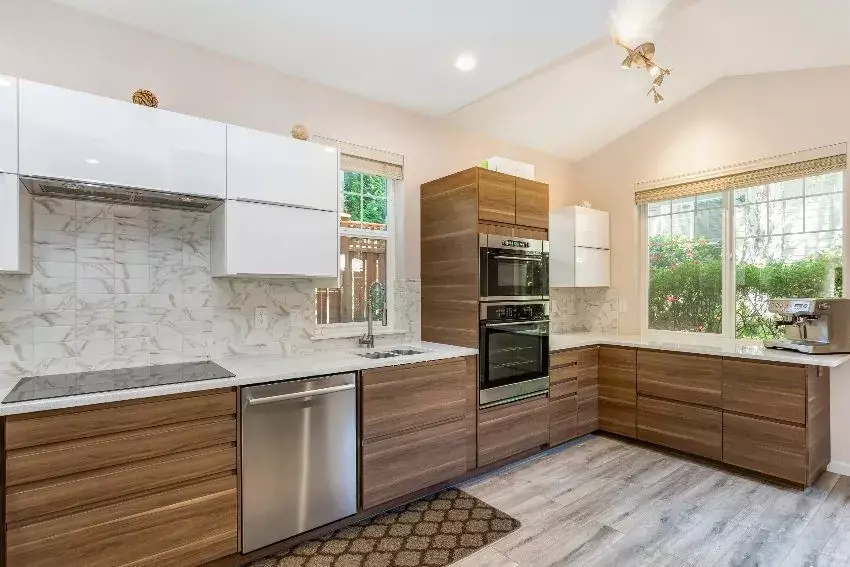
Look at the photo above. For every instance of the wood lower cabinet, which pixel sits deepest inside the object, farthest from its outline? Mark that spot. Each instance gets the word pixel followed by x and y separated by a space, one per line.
pixel 573 374
pixel 684 377
pixel 505 431
pixel 403 464
pixel 419 427
pixel 400 398
pixel 147 482
pixel 776 391
pixel 618 390
pixel 563 419
pixel 685 427
pixel 588 391
pixel 776 449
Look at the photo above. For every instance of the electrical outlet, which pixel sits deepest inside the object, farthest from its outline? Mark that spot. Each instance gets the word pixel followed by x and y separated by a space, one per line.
pixel 261 318
pixel 623 306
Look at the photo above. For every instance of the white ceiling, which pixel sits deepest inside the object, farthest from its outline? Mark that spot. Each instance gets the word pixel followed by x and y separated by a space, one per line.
pixel 548 75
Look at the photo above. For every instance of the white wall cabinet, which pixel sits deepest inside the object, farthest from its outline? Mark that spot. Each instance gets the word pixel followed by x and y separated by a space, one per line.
pixel 274 240
pixel 269 168
pixel 15 226
pixel 579 248
pixel 8 124
pixel 66 134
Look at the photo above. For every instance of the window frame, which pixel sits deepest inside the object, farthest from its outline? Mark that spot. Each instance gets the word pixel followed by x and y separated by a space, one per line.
pixel 728 283
pixel 353 328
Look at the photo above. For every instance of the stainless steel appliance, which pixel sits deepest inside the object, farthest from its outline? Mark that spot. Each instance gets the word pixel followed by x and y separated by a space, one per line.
pixel 299 457
pixel 514 353
pixel 103 193
pixel 513 268
pixel 812 326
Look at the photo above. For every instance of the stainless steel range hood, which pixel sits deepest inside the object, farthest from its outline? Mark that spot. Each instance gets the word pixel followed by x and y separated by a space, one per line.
pixel 87 191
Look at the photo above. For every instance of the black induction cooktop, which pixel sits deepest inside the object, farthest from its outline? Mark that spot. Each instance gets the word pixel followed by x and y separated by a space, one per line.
pixel 78 383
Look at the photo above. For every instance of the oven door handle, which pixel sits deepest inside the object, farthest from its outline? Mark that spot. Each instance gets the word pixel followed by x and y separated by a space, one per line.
pixel 524 258
pixel 514 323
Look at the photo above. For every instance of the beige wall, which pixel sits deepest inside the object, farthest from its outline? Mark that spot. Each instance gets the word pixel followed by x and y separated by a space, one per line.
pixel 50 43
pixel 736 119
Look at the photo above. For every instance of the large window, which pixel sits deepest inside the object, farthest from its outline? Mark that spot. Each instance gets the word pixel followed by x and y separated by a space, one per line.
pixel 364 242
pixel 787 242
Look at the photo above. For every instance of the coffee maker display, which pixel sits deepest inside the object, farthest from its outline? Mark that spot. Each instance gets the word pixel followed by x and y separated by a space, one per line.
pixel 812 326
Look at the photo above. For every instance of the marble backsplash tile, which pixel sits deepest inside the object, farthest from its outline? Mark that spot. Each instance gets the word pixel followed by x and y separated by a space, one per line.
pixel 116 285
pixel 576 310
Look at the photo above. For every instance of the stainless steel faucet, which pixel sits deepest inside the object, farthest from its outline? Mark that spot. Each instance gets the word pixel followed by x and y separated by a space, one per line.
pixel 368 340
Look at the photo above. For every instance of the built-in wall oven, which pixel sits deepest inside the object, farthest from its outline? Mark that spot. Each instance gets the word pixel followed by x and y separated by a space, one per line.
pixel 513 269
pixel 514 353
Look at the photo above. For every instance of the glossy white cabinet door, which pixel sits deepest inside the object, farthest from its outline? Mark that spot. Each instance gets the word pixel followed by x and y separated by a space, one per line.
pixel 8 124
pixel 15 226
pixel 593 267
pixel 591 228
pixel 67 134
pixel 277 240
pixel 277 169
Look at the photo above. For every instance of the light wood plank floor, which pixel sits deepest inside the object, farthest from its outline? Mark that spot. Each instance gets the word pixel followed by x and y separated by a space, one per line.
pixel 601 501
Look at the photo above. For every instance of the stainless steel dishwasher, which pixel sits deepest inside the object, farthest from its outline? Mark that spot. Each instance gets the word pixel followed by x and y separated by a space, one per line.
pixel 299 457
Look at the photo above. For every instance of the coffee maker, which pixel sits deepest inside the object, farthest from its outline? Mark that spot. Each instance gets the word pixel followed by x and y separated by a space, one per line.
pixel 812 326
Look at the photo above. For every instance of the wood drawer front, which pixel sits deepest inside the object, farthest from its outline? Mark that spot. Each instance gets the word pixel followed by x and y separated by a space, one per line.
pixel 562 358
pixel 402 398
pixel 692 429
pixel 618 374
pixel 682 377
pixel 70 457
pixel 86 489
pixel 507 430
pixel 588 357
pixel 776 449
pixel 69 425
pixel 563 415
pixel 588 416
pixel 588 383
pixel 768 390
pixel 396 466
pixel 137 530
pixel 617 416
pixel 563 388
pixel 496 197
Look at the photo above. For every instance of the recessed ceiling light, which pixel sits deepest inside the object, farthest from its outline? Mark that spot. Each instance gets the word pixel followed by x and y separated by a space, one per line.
pixel 92 161
pixel 466 62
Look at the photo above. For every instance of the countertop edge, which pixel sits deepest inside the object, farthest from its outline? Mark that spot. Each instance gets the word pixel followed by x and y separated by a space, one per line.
pixel 568 342
pixel 342 364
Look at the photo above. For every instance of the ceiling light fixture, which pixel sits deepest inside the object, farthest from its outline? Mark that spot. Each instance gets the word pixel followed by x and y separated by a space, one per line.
pixel 466 62
pixel 642 56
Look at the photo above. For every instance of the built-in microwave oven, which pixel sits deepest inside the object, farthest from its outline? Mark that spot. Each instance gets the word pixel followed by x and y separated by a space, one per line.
pixel 513 268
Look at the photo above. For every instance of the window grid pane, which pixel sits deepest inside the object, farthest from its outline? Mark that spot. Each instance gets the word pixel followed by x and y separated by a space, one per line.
pixel 788 244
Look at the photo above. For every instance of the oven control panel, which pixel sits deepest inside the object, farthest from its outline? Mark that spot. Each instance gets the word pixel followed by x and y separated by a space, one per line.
pixel 528 311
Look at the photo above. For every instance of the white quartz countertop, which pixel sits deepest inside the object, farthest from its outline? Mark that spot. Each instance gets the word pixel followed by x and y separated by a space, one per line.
pixel 739 349
pixel 248 370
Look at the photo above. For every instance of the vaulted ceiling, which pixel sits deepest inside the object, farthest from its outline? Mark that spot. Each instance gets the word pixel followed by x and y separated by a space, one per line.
pixel 548 76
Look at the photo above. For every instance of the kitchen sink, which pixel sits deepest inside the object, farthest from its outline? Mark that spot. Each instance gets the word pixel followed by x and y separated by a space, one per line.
pixel 377 354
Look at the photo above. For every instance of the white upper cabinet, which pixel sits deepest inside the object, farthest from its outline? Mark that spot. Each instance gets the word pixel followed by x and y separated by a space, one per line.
pixel 591 228
pixel 579 242
pixel 66 134
pixel 277 169
pixel 8 124
pixel 15 226
pixel 274 240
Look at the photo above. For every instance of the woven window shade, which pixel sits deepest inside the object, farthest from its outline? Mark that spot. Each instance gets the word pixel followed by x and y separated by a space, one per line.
pixel 364 159
pixel 751 174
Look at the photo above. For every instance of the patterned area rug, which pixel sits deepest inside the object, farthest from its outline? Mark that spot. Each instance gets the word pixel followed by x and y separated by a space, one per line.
pixel 434 531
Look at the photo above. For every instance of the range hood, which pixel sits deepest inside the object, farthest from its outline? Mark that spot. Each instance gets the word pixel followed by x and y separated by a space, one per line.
pixel 87 191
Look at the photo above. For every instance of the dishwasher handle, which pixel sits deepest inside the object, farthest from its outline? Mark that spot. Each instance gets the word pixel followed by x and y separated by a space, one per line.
pixel 297 395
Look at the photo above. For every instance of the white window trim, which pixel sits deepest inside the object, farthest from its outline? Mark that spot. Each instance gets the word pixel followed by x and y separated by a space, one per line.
pixel 357 328
pixel 728 287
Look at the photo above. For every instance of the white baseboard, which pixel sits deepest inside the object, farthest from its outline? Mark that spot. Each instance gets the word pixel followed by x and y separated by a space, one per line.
pixel 839 467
